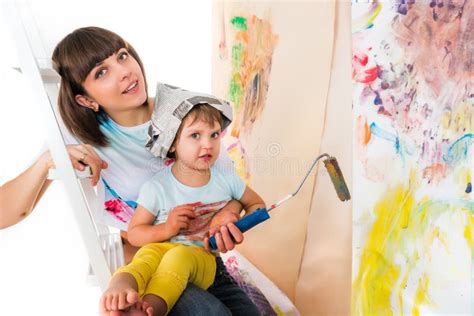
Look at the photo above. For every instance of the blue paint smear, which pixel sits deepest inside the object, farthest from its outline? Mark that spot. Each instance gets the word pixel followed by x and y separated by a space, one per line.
pixel 458 202
pixel 459 149
pixel 377 100
pixel 469 188
pixel 400 147
pixel 377 131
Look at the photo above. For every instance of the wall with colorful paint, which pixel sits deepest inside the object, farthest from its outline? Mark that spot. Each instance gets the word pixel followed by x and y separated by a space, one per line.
pixel 413 121
pixel 413 97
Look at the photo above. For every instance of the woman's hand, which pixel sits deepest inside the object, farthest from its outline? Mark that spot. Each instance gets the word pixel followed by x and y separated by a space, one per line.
pixel 223 217
pixel 82 155
pixel 222 227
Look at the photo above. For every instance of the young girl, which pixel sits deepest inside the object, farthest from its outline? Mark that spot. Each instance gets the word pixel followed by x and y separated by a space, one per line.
pixel 105 106
pixel 173 253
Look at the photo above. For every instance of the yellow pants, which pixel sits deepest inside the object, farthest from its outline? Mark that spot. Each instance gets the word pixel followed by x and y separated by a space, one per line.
pixel 164 269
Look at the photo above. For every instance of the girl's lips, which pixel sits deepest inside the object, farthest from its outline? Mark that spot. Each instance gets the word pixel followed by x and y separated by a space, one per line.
pixel 206 157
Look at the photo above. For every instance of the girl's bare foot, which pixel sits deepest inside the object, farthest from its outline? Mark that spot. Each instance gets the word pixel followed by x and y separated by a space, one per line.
pixel 138 309
pixel 120 295
pixel 158 305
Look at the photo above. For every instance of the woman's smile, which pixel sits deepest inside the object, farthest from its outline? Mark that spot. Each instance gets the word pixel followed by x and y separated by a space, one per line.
pixel 132 88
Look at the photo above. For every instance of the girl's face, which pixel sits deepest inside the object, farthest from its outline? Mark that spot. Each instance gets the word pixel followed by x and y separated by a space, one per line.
pixel 116 84
pixel 198 145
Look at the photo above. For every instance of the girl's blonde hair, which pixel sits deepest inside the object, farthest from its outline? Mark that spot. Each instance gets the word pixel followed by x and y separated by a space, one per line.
pixel 73 58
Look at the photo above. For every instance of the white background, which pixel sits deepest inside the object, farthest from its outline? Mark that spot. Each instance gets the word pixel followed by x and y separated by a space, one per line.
pixel 43 262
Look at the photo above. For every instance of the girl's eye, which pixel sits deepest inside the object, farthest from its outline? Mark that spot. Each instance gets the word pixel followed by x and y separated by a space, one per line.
pixel 215 135
pixel 195 135
pixel 100 73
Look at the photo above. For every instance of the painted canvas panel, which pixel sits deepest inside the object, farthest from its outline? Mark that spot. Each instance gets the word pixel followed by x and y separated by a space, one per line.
pixel 272 61
pixel 413 98
pixel 324 283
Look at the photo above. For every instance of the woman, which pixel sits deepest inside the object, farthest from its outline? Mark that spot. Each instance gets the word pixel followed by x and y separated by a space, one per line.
pixel 104 104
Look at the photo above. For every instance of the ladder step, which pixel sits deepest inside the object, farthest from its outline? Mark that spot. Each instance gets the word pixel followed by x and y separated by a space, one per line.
pixel 113 249
pixel 49 75
pixel 53 174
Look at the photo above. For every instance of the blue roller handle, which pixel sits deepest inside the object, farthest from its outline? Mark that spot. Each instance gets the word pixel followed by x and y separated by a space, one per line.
pixel 247 222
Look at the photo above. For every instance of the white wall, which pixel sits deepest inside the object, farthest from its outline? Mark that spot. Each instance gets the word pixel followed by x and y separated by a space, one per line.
pixel 42 260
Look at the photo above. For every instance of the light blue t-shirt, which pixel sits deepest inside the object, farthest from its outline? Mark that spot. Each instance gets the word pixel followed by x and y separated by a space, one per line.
pixel 164 192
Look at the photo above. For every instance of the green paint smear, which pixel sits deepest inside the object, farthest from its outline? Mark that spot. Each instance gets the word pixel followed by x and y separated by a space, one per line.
pixel 237 53
pixel 235 91
pixel 235 85
pixel 239 23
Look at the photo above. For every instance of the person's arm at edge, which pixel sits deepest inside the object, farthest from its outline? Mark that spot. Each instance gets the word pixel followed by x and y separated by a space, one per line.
pixel 19 196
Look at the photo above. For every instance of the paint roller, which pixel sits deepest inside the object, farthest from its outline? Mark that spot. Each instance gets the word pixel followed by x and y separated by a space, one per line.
pixel 260 215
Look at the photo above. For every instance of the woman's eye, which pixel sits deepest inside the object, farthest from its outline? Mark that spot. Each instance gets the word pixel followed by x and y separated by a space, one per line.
pixel 123 55
pixel 215 135
pixel 195 135
pixel 100 73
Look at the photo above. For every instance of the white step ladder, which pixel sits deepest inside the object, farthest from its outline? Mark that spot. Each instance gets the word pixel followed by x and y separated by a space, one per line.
pixel 104 248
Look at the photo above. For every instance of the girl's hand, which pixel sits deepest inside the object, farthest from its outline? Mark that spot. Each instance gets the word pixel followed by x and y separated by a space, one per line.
pixel 81 155
pixel 179 218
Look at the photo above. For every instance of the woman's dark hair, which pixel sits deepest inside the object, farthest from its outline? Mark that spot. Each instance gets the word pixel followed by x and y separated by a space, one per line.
pixel 73 58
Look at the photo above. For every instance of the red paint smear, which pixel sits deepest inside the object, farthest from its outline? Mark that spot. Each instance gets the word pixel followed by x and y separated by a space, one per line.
pixel 168 161
pixel 359 73
pixel 369 75
pixel 362 60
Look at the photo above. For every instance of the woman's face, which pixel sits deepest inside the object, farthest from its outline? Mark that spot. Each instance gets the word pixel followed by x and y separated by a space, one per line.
pixel 117 83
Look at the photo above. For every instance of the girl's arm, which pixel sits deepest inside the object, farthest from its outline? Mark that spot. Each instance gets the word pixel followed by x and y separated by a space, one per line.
pixel 142 231
pixel 251 200
pixel 234 206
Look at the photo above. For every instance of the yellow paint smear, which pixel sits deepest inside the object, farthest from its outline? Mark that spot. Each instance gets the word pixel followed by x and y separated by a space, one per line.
pixel 378 274
pixel 420 295
pixel 389 258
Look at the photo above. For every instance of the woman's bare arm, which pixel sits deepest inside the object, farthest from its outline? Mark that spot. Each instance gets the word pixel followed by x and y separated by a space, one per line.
pixel 19 196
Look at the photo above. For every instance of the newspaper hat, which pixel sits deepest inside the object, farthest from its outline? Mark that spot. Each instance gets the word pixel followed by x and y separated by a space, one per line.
pixel 171 106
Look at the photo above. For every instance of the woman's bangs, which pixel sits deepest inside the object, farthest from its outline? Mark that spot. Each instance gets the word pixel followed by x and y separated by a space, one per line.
pixel 91 50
